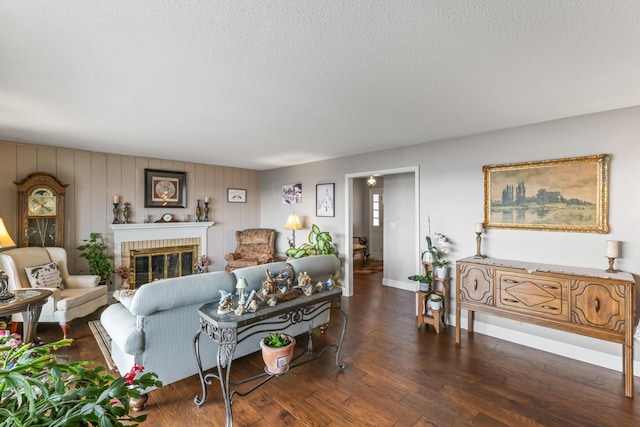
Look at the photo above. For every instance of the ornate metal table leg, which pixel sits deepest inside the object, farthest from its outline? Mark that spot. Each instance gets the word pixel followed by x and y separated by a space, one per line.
pixel 344 330
pixel 196 351
pixel 227 340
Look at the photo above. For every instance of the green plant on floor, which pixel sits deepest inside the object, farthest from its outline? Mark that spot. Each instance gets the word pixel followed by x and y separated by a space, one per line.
pixel 37 389
pixel 277 340
pixel 320 243
pixel 94 251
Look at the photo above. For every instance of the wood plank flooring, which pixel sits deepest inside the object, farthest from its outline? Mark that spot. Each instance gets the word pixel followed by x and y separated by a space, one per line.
pixel 399 375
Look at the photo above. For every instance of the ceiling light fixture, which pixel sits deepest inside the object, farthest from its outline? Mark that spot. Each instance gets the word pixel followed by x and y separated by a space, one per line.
pixel 371 182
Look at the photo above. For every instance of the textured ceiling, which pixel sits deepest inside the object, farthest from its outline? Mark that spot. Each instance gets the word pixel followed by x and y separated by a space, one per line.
pixel 263 84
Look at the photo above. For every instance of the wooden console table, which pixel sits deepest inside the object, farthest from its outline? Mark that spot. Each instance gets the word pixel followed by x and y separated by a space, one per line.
pixel 228 330
pixel 584 301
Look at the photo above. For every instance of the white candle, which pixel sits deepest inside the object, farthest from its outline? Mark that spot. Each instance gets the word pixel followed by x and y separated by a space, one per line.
pixel 206 199
pixel 116 199
pixel 612 248
pixel 479 227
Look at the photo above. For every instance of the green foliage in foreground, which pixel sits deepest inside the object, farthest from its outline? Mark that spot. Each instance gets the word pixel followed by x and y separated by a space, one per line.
pixel 36 389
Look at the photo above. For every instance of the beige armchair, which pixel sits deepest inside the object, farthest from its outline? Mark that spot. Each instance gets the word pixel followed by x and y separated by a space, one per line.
pixel 76 296
pixel 255 246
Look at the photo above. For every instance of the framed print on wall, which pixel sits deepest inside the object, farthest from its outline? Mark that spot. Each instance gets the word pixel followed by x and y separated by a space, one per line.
pixel 164 189
pixel 551 195
pixel 236 195
pixel 292 194
pixel 325 196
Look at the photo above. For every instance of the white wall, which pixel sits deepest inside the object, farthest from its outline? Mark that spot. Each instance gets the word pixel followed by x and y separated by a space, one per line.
pixel 451 194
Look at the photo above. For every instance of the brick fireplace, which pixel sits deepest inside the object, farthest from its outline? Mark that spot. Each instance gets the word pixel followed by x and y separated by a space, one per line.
pixel 160 241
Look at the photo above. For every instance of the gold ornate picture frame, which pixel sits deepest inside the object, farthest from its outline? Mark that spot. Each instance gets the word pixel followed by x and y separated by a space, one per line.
pixel 568 194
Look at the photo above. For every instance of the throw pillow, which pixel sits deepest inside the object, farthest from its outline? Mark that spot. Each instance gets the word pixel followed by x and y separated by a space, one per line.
pixel 125 296
pixel 45 276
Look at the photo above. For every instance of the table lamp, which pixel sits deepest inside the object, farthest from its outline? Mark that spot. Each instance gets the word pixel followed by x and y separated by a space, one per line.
pixel 241 285
pixel 293 223
pixel 6 242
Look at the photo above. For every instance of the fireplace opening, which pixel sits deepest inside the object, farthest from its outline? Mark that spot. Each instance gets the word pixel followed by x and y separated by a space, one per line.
pixel 147 265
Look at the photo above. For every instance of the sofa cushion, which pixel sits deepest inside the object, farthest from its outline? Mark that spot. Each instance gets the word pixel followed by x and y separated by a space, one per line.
pixel 70 298
pixel 45 276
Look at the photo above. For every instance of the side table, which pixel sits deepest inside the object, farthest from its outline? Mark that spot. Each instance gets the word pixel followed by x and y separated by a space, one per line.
pixel 228 329
pixel 29 302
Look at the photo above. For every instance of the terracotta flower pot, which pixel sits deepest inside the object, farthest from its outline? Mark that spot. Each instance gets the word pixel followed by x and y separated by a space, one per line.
pixel 277 358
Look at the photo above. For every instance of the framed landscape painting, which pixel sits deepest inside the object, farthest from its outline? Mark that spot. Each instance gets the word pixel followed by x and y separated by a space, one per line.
pixel 551 195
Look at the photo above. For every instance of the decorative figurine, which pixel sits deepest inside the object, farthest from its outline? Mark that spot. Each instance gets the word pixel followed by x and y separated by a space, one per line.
pixel 226 302
pixel 303 279
pixel 239 310
pixel 319 287
pixel 253 306
pixel 308 290
pixel 272 301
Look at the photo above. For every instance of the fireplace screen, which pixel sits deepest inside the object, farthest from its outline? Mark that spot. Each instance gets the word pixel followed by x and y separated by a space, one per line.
pixel 148 265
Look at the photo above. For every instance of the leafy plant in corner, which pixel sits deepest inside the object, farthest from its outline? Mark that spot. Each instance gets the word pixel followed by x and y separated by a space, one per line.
pixel 277 340
pixel 320 243
pixel 94 251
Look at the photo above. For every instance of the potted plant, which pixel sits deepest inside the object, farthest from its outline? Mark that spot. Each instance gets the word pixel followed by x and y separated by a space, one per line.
pixel 437 252
pixel 94 251
pixel 424 280
pixel 435 301
pixel 38 389
pixel 277 352
pixel 320 243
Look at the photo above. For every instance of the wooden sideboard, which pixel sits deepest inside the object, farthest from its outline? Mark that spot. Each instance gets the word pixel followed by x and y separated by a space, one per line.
pixel 584 301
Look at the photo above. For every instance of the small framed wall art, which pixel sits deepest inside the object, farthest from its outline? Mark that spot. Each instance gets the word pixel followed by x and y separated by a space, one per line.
pixel 164 189
pixel 236 195
pixel 325 196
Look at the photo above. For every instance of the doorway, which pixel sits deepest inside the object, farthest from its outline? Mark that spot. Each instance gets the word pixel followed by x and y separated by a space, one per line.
pixel 406 252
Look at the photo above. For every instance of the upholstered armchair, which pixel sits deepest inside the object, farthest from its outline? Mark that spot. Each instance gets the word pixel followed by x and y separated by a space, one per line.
pixel 255 246
pixel 73 296
pixel 360 248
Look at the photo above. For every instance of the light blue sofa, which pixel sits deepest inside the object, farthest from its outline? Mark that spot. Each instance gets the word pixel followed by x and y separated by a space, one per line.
pixel 157 329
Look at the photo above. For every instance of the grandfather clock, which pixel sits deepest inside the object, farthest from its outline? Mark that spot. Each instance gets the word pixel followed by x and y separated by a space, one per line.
pixel 41 210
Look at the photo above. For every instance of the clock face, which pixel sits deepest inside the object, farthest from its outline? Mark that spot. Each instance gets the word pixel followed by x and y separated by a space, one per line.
pixel 42 202
pixel 167 217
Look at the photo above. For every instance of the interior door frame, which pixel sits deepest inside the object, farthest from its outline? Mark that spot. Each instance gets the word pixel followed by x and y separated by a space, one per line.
pixel 347 289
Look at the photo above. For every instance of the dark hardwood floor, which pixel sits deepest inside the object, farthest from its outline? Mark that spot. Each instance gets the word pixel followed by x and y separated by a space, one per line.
pixel 399 375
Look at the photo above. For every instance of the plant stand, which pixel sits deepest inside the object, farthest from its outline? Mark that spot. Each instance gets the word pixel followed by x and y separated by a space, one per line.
pixel 437 318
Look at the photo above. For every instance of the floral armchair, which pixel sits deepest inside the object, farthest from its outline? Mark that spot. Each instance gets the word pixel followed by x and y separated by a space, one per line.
pixel 255 246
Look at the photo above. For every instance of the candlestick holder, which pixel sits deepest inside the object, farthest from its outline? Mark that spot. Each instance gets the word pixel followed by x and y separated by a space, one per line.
pixel 611 259
pixel 115 213
pixel 126 213
pixel 198 210
pixel 206 211
pixel 478 255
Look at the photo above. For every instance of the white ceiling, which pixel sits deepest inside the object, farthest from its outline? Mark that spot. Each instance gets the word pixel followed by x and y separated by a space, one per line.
pixel 263 84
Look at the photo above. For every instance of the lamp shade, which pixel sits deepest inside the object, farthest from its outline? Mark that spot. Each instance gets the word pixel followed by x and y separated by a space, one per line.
pixel 5 240
pixel 242 283
pixel 293 223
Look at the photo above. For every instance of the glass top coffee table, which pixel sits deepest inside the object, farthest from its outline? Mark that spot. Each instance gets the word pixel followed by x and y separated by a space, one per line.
pixel 29 302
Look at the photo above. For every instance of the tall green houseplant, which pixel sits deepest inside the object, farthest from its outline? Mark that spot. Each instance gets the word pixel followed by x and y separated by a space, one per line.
pixel 94 251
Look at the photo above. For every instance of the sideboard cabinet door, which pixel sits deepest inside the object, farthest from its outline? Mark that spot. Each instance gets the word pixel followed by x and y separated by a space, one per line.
pixel 598 304
pixel 476 284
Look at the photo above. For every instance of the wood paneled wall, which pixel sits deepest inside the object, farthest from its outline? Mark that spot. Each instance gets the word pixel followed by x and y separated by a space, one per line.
pixel 94 178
